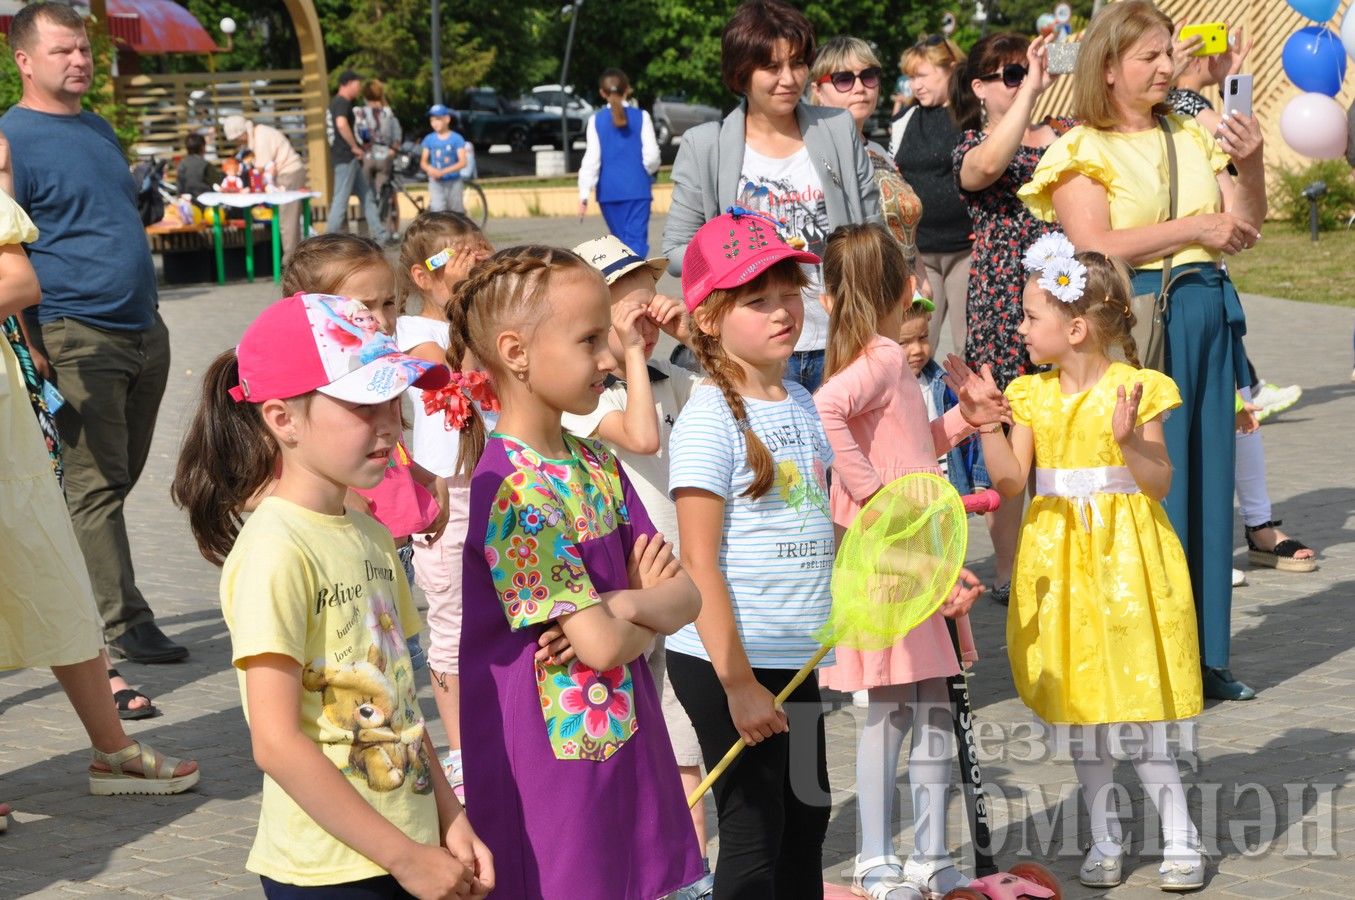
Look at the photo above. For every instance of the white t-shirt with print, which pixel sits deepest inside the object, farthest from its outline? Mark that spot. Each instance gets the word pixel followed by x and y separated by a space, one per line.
pixel 777 551
pixel 648 474
pixel 790 191
pixel 434 446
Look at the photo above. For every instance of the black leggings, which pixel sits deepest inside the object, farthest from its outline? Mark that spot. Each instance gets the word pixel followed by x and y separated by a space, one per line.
pixel 773 802
pixel 380 887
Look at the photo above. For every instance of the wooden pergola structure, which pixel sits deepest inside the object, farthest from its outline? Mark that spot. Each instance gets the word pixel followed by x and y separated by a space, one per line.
pixel 313 82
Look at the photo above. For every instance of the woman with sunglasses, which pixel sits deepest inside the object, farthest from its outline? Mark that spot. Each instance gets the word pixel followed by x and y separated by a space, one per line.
pixel 846 74
pixel 921 143
pixel 801 165
pixel 993 98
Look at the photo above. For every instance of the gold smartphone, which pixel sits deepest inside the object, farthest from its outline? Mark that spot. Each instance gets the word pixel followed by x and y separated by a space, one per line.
pixel 1213 34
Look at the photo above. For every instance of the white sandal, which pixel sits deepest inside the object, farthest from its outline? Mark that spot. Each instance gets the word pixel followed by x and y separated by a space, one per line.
pixel 924 876
pixel 155 778
pixel 888 885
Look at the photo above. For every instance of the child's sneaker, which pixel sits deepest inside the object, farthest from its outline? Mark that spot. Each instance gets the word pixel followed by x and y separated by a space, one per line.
pixel 451 765
pixel 1274 399
pixel 1104 865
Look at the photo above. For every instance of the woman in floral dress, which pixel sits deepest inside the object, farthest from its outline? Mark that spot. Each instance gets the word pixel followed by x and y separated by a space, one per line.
pixel 993 97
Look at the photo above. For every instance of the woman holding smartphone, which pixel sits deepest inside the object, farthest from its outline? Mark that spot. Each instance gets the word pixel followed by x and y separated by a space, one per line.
pixel 1273 548
pixel 1106 182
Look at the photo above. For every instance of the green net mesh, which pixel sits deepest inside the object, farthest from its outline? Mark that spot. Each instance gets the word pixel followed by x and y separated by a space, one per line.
pixel 897 563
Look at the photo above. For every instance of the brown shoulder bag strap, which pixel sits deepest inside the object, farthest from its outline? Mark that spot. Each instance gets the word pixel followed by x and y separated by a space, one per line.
pixel 1172 189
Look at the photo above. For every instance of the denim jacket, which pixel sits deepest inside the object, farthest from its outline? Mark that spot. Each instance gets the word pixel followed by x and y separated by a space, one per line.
pixel 964 462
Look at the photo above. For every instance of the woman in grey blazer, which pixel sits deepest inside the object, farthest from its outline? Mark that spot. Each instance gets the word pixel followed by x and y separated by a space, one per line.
pixel 801 165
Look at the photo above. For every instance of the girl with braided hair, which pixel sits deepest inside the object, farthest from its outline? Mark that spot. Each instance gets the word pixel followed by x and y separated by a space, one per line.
pixel 570 774
pixel 748 463
pixel 1101 625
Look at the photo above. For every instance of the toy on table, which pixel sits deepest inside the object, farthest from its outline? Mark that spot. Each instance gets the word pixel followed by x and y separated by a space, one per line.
pixel 232 181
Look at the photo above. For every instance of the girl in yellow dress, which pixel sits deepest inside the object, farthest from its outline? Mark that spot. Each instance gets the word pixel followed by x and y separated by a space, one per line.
pixel 1101 627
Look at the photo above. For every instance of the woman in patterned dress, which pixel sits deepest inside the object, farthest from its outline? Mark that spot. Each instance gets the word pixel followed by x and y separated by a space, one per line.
pixel 993 97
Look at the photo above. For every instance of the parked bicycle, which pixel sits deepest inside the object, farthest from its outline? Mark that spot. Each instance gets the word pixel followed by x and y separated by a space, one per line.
pixel 405 171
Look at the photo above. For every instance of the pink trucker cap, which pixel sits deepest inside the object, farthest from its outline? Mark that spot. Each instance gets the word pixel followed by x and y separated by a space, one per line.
pixel 731 250
pixel 334 345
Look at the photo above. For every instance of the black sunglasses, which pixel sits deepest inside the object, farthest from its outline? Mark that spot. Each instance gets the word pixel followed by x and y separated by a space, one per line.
pixel 1012 75
pixel 933 40
pixel 845 81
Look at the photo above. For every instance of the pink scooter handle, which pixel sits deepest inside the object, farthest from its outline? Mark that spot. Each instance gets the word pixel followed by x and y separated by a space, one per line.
pixel 984 501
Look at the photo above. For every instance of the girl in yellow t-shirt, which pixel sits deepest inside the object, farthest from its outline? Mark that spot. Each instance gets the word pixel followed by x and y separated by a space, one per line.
pixel 319 610
pixel 1101 626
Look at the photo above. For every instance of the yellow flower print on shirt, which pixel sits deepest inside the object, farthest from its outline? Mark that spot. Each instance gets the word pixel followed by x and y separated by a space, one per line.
pixel 796 492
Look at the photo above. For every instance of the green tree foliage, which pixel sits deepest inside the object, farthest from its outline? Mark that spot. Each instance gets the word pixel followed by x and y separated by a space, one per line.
pixel 677 42
pixel 391 42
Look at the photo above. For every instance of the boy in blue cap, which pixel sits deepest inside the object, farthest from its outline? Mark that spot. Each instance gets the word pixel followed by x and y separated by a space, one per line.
pixel 444 156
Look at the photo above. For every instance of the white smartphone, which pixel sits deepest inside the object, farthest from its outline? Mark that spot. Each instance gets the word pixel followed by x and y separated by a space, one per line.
pixel 1237 95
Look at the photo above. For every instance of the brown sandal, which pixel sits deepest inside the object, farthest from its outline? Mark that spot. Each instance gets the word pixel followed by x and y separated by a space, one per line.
pixel 1281 556
pixel 156 776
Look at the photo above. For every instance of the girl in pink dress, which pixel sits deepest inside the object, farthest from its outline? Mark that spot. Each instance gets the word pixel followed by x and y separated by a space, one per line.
pixel 876 421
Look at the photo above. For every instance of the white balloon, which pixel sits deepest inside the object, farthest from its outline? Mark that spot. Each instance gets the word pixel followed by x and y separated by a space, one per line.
pixel 1348 32
pixel 1315 126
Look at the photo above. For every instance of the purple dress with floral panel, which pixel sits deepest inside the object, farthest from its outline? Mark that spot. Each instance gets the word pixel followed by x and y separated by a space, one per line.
pixel 570 777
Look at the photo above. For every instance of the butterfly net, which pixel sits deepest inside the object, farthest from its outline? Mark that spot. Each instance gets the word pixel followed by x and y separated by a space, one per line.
pixel 897 563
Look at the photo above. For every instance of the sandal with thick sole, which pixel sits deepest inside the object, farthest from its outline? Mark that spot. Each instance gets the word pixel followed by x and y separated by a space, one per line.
pixel 124 698
pixel 1282 556
pixel 155 778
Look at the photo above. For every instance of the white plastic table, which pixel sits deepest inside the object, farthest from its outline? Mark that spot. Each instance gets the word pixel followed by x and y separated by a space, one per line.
pixel 247 200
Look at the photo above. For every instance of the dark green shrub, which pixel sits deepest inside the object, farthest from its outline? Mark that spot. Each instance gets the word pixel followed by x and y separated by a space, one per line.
pixel 1333 210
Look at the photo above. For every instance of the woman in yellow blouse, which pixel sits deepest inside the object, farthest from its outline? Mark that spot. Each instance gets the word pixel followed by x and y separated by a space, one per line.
pixel 1107 183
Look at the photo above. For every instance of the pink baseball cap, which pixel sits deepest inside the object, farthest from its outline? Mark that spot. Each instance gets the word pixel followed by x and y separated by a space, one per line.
pixel 731 250
pixel 334 345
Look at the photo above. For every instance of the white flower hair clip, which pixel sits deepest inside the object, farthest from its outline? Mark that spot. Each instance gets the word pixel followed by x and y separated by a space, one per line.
pixel 1050 247
pixel 1065 279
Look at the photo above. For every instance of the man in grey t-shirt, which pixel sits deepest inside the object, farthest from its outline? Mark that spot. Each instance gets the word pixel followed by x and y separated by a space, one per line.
pixel 346 153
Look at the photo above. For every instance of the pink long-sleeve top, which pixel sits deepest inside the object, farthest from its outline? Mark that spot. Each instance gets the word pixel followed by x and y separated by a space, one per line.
pixel 876 421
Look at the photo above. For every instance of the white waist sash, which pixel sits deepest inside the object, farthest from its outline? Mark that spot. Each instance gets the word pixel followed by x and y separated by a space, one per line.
pixel 1082 485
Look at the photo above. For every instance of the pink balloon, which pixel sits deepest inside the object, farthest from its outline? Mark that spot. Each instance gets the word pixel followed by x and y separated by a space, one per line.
pixel 1314 125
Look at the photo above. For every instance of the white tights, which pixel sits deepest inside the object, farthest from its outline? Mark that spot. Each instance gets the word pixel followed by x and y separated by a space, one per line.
pixel 1146 746
pixel 1253 500
pixel 926 706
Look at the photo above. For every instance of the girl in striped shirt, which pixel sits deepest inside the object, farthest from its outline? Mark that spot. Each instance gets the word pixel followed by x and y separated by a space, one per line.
pixel 748 462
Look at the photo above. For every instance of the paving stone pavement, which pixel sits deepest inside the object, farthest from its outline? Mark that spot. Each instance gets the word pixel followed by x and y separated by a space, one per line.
pixel 1270 776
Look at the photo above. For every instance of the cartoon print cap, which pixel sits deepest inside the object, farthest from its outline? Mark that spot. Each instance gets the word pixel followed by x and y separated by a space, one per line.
pixel 319 342
pixel 610 256
pixel 731 250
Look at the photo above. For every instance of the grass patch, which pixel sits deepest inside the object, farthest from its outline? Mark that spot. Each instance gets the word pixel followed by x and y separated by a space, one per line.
pixel 1287 264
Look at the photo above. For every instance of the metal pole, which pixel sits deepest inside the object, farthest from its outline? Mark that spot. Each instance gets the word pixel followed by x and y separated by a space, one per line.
pixel 437 52
pixel 564 80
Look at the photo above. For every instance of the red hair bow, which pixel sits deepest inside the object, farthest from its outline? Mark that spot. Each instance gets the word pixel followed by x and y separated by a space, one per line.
pixel 455 400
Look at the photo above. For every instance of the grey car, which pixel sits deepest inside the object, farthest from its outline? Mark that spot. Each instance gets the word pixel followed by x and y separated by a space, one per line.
pixel 673 115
